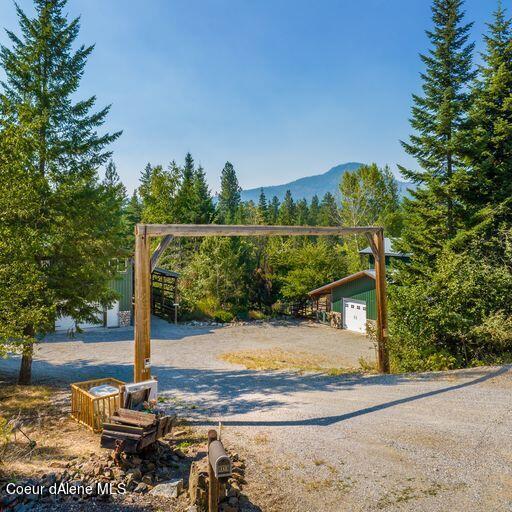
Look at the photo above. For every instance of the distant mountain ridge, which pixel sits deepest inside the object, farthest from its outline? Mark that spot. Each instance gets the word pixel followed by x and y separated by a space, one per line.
pixel 308 186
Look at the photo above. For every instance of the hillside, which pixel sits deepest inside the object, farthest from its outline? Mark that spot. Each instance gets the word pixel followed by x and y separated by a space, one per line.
pixel 307 187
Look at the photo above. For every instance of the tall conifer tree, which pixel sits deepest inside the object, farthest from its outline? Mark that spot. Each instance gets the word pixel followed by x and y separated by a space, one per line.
pixel 43 72
pixel 274 210
pixel 204 208
pixel 314 210
pixel 489 180
pixel 263 210
pixel 229 196
pixel 286 216
pixel 438 119
pixel 185 203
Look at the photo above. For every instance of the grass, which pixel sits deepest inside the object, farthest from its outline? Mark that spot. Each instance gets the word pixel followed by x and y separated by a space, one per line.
pixel 24 399
pixel 277 359
pixel 49 434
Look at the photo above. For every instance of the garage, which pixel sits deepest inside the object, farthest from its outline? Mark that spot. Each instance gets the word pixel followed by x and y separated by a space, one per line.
pixel 351 300
pixel 107 318
pixel 354 315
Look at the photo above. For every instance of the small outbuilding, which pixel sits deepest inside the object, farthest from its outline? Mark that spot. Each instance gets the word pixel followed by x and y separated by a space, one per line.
pixel 351 302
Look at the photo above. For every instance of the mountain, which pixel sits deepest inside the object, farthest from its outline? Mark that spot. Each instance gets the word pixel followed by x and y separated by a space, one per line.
pixel 307 187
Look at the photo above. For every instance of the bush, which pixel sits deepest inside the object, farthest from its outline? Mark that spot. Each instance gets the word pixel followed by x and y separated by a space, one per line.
pixel 277 308
pixel 223 316
pixel 256 315
pixel 454 315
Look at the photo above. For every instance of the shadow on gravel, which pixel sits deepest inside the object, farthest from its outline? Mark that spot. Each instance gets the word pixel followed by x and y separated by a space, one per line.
pixel 207 392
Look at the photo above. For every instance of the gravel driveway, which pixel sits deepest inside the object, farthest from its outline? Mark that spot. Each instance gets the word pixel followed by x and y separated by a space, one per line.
pixel 426 442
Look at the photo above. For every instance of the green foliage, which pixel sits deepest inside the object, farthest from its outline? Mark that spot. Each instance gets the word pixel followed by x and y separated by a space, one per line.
pixel 55 260
pixel 451 306
pixel 219 271
pixel 27 305
pixel 369 196
pixel 488 141
pixel 202 201
pixel 299 266
pixel 229 196
pixel 287 213
pixel 459 309
pixel 438 120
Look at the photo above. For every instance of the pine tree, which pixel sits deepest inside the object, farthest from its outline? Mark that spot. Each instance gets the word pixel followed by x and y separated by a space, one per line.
pixel 438 119
pixel 314 211
pixel 204 209
pixel 229 197
pixel 145 178
pixel 274 210
pixel 287 213
pixel 263 209
pixel 301 213
pixel 43 73
pixel 132 216
pixel 329 214
pixel 489 159
pixel 185 203
pixel 26 301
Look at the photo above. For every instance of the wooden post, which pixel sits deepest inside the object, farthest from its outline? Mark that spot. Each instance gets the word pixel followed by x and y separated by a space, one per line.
pixel 213 483
pixel 142 369
pixel 380 291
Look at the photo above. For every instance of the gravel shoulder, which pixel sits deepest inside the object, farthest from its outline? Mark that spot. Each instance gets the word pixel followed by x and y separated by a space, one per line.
pixel 424 442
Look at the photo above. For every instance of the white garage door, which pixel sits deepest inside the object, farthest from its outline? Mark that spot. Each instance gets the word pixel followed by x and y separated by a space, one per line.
pixel 354 315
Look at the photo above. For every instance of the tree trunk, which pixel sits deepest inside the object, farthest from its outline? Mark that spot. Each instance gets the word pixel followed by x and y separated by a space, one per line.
pixel 25 375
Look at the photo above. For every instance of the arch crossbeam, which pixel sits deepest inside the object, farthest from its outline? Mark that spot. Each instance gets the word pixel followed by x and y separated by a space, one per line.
pixel 143 265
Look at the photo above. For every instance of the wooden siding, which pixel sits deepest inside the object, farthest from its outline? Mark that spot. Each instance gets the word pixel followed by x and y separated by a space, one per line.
pixel 360 289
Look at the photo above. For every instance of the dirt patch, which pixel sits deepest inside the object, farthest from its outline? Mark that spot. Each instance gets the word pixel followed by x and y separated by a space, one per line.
pixel 42 448
pixel 277 359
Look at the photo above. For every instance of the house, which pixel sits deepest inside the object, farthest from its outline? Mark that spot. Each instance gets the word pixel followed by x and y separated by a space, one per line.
pixel 164 285
pixel 120 313
pixel 351 302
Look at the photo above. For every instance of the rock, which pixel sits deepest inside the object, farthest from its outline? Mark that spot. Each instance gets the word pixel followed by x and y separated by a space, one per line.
pixel 171 489
pixel 192 508
pixel 179 433
pixel 136 461
pixel 197 483
pixel 118 473
pixel 147 479
pixel 130 479
pixel 233 493
pixel 50 479
pixel 137 475
pixel 150 466
pixel 233 501
pixel 58 464
pixel 226 507
pixel 141 487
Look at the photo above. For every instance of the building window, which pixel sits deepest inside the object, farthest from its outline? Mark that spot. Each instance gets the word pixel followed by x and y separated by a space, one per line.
pixel 120 264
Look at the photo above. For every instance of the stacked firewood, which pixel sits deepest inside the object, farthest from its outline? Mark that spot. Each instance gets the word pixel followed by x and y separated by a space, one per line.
pixel 132 431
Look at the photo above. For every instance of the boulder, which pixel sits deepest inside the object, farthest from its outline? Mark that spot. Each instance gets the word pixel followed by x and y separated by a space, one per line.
pixel 171 489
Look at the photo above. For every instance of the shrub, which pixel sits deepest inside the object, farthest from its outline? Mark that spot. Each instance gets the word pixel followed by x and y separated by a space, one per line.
pixel 223 316
pixel 256 315
pixel 455 314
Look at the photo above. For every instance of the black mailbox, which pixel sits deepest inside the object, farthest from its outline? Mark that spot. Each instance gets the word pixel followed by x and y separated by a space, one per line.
pixel 219 460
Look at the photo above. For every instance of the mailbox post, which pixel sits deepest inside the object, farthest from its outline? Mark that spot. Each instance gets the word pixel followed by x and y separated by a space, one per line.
pixel 219 469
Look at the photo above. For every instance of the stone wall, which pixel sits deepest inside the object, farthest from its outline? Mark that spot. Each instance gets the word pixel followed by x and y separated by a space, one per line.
pixel 124 318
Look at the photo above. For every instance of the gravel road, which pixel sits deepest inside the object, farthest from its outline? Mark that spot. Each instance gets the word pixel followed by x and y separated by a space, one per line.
pixel 425 442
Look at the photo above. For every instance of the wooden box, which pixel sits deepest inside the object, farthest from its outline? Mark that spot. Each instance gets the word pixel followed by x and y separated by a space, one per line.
pixel 90 410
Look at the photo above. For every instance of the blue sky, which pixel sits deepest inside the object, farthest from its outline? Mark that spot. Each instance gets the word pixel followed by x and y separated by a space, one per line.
pixel 281 88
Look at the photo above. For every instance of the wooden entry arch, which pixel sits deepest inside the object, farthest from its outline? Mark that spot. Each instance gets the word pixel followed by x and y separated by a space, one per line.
pixel 144 262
